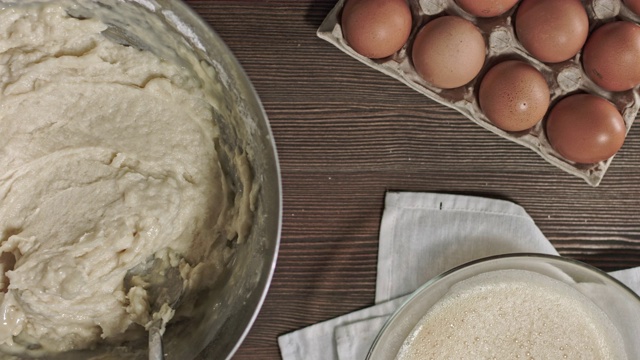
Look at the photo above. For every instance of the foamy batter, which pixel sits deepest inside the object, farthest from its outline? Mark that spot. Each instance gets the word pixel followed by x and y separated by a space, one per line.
pixel 513 314
pixel 108 156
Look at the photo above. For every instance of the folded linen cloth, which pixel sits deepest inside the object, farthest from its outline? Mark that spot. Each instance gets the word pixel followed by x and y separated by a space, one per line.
pixel 316 342
pixel 421 236
pixel 361 330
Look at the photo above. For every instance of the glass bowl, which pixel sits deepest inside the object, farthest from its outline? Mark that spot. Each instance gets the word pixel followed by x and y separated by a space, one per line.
pixel 620 304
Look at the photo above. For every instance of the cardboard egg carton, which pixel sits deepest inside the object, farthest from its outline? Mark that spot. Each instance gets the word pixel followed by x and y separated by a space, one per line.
pixel 563 78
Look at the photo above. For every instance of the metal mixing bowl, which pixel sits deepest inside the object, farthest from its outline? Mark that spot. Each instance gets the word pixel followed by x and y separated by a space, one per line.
pixel 239 301
pixel 227 311
pixel 235 305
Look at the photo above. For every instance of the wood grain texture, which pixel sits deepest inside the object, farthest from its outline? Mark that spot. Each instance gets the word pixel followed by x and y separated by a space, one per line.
pixel 346 134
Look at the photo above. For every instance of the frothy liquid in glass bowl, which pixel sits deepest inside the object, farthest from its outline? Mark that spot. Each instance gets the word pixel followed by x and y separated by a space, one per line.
pixel 513 314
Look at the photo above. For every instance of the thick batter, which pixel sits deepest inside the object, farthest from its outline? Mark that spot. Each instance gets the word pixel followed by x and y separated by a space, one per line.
pixel 108 156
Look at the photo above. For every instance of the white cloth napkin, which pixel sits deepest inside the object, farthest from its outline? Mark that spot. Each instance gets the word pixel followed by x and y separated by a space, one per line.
pixel 421 236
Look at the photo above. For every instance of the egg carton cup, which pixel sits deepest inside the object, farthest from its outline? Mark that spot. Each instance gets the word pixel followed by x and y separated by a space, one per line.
pixel 563 78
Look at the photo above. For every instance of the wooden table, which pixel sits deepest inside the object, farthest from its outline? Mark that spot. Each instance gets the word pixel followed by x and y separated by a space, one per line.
pixel 346 134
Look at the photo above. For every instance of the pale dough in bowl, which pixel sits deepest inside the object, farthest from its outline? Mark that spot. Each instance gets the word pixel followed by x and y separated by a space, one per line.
pixel 109 155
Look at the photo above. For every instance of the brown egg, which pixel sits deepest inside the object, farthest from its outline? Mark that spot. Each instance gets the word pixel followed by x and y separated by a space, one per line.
pixel 486 8
pixel 585 128
pixel 376 28
pixel 552 30
pixel 448 52
pixel 514 95
pixel 633 5
pixel 611 56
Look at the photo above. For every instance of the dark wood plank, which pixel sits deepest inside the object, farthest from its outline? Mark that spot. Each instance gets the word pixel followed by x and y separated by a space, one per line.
pixel 346 134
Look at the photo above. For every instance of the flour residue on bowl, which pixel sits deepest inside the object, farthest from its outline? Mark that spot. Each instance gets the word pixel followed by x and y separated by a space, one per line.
pixel 149 4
